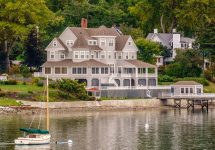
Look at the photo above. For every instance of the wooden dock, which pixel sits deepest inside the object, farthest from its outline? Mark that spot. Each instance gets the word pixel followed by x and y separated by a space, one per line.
pixel 193 100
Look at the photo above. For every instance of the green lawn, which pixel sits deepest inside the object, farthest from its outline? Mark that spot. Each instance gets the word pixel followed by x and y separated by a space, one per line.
pixel 21 88
pixel 9 102
pixel 210 88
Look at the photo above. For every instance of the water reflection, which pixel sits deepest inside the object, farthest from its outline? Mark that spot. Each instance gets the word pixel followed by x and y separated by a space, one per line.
pixel 127 130
pixel 33 147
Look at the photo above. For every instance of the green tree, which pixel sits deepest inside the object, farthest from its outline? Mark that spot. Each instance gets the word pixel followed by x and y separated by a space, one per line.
pixel 187 64
pixel 72 89
pixel 17 18
pixel 33 54
pixel 148 50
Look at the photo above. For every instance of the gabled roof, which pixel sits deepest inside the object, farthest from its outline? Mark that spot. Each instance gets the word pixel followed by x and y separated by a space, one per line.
pixel 167 37
pixel 103 31
pixel 64 46
pixel 139 63
pixel 121 41
pixel 187 83
pixel 81 42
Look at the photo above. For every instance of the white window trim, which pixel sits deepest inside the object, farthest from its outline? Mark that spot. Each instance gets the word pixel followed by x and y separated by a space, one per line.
pixel 69 42
pixel 103 54
pixel 87 54
pixel 64 56
pixel 109 54
pixel 76 52
pixel 54 43
pixel 91 42
pixel 82 53
pixel 101 41
pixel 52 53
pixel 111 42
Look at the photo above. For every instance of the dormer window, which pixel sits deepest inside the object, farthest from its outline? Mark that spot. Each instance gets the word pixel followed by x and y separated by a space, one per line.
pixel 103 42
pixel 62 56
pixel 111 42
pixel 55 43
pixel 69 42
pixel 92 42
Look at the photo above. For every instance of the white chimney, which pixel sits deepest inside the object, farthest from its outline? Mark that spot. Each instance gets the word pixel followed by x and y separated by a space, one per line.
pixel 155 30
pixel 174 30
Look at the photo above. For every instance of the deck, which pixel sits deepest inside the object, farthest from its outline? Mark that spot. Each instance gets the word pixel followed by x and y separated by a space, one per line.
pixel 192 99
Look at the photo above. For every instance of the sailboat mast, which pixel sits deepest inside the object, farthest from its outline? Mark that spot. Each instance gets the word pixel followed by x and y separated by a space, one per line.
pixel 47 103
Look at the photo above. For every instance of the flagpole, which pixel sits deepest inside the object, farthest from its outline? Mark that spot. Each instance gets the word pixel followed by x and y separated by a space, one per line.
pixel 47 103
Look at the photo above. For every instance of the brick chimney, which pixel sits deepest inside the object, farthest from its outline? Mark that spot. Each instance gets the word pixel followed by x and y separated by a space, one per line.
pixel 84 23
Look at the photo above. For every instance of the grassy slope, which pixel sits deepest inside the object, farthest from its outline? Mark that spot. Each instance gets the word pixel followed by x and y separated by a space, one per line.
pixel 9 102
pixel 210 88
pixel 21 88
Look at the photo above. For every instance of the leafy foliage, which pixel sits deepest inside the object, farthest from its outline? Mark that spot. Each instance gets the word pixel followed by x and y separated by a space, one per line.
pixel 187 64
pixel 71 89
pixel 148 50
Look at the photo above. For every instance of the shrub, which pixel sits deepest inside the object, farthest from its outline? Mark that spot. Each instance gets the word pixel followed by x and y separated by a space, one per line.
pixel 208 75
pixel 9 82
pixel 25 71
pixel 165 78
pixel 40 83
pixel 52 85
pixel 92 98
pixel 2 94
pixel 15 69
pixel 23 83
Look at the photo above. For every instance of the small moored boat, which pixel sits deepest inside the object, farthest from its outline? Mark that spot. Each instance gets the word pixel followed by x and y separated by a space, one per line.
pixel 36 136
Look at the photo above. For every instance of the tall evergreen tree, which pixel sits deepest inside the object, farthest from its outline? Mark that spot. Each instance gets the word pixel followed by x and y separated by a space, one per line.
pixel 33 54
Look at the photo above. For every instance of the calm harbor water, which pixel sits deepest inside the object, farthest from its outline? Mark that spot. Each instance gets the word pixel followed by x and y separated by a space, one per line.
pixel 121 130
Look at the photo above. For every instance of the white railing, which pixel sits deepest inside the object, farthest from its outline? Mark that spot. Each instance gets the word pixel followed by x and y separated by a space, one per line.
pixel 135 87
pixel 37 74
pixel 189 95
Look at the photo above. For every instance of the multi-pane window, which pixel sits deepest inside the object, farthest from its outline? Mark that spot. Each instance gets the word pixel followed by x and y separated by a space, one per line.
pixel 74 71
pixel 97 55
pixel 102 55
pixel 141 70
pixel 79 70
pixel 95 70
pixel 69 42
pixel 119 55
pixel 182 90
pixel 76 55
pixel 104 70
pixel 60 70
pixel 191 90
pixel 87 54
pixel 64 70
pixel 82 54
pixel 92 42
pixel 57 70
pixel 109 55
pixel 52 55
pixel 47 70
pixel 62 56
pixel 111 42
pixel 102 42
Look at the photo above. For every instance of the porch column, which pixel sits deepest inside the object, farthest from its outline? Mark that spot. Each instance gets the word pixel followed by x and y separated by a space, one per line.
pixel 147 78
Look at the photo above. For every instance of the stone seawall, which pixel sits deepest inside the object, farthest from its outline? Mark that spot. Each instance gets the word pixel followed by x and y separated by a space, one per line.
pixel 143 103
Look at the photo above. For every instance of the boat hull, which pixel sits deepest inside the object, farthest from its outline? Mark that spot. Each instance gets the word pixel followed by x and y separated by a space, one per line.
pixel 43 139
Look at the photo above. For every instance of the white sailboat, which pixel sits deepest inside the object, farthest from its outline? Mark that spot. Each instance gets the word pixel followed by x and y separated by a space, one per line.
pixel 36 136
